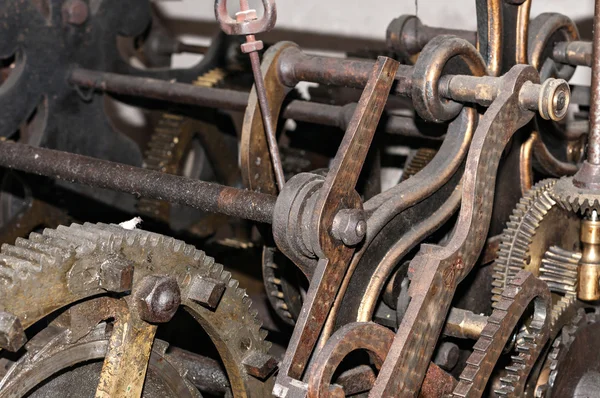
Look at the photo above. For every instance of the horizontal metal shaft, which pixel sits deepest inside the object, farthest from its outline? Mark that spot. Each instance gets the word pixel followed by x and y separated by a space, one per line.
pixel 206 196
pixel 296 66
pixel 216 98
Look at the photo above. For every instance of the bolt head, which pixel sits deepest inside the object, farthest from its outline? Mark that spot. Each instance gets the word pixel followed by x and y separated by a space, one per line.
pixel 12 335
pixel 206 291
pixel 349 226
pixel 75 12
pixel 157 298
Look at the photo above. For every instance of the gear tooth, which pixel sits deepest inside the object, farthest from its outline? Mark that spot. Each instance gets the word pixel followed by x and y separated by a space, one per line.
pixel 32 256
pixel 7 275
pixel 189 250
pixel 54 252
pixel 82 245
pixel 226 276
pixel 216 269
pixel 233 283
pixel 199 256
pixel 22 267
pixel 253 313
pixel 263 334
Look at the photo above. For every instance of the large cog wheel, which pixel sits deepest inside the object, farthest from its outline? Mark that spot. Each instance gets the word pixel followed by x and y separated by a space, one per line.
pixel 52 270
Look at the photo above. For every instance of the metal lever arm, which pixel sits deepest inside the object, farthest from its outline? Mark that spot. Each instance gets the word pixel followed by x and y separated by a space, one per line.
pixel 337 193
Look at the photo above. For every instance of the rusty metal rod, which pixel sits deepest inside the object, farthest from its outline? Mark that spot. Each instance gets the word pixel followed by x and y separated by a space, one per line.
pixel 576 53
pixel 593 153
pixel 265 110
pixel 296 66
pixel 187 94
pixel 85 170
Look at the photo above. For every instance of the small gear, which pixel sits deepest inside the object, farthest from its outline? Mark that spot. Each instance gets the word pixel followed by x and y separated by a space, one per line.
pixel 572 198
pixel 559 270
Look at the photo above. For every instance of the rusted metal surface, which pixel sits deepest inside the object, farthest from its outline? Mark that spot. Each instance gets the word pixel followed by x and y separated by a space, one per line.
pixel 439 269
pixel 437 383
pixel 357 380
pixel 370 337
pixel 336 194
pixel 296 66
pixel 202 195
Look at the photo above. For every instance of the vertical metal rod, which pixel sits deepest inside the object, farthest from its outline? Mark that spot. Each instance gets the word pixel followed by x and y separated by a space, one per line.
pixel 263 103
pixel 265 111
pixel 594 138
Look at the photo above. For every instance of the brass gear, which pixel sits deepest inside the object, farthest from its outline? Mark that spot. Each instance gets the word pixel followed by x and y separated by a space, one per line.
pixel 532 242
pixel 67 265
pixel 559 270
pixel 530 232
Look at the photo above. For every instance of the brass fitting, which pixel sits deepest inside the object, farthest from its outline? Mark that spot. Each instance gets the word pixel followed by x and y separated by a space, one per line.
pixel 464 324
pixel 588 288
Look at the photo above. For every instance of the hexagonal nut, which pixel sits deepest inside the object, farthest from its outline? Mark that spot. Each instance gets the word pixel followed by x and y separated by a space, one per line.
pixel 206 291
pixel 259 365
pixel 349 226
pixel 157 298
pixel 12 335
pixel 252 46
pixel 116 275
